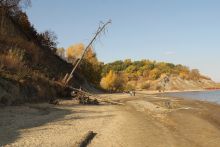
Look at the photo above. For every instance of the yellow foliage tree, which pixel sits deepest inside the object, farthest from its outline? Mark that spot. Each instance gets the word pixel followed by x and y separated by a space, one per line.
pixel 184 75
pixel 74 51
pixel 107 82
pixel 154 74
pixel 60 52
pixel 113 81
pixel 90 67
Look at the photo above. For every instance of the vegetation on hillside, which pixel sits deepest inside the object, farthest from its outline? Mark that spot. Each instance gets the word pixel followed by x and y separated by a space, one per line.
pixel 30 63
pixel 45 44
pixel 90 67
pixel 142 72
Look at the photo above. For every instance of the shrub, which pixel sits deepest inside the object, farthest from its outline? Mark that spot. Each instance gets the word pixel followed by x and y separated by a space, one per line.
pixel 154 74
pixel 130 86
pixel 183 75
pixel 159 88
pixel 145 85
pixel 194 74
pixel 113 81
pixel 12 60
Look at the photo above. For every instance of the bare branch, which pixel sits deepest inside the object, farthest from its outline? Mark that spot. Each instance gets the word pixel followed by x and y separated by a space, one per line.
pixel 98 32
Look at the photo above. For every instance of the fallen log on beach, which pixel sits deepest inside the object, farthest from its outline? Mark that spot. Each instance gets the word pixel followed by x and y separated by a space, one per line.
pixel 86 139
pixel 95 97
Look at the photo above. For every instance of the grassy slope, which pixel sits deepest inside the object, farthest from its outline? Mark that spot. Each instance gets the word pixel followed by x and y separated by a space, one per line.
pixel 28 73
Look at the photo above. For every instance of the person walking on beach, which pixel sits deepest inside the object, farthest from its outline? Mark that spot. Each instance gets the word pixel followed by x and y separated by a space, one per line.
pixel 131 93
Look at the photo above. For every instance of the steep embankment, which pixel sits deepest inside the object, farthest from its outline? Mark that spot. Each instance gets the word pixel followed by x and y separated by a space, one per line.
pixel 147 74
pixel 177 83
pixel 29 71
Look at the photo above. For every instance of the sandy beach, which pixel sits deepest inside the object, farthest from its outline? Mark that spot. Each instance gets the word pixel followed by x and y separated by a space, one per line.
pixel 142 121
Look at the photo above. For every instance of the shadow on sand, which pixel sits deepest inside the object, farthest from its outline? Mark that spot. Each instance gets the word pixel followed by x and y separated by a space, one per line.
pixel 14 119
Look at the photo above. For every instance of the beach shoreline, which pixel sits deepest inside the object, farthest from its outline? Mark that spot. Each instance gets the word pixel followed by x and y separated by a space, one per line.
pixel 144 119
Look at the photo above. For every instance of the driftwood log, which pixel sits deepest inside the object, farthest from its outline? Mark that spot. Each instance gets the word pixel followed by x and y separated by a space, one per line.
pixel 95 97
pixel 87 138
pixel 92 96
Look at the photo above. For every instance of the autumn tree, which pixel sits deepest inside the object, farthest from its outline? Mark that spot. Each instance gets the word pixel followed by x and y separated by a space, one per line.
pixel 182 71
pixel 194 74
pixel 74 51
pixel 61 52
pixel 144 71
pixel 90 67
pixel 121 80
pixel 130 85
pixel 107 82
pixel 154 74
pixel 113 81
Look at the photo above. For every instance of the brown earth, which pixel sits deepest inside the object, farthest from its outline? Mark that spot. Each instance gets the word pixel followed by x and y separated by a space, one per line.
pixel 177 83
pixel 143 120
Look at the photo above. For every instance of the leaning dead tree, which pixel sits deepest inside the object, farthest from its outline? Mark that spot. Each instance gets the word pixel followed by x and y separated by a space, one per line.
pixel 101 29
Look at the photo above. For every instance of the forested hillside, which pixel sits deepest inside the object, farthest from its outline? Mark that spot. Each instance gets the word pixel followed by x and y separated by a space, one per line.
pixel 146 74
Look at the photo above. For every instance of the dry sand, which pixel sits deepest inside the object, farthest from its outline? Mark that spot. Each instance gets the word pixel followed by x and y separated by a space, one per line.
pixel 144 120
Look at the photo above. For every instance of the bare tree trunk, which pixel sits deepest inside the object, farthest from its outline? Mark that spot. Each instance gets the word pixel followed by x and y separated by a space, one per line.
pixel 100 29
pixel 68 76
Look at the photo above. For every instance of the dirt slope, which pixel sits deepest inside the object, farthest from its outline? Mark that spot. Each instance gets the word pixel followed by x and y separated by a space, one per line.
pixel 177 83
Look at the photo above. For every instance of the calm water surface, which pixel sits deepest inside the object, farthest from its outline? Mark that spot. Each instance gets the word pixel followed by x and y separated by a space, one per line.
pixel 211 96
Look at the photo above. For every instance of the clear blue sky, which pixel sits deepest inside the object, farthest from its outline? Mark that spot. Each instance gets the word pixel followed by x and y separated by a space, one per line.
pixel 177 31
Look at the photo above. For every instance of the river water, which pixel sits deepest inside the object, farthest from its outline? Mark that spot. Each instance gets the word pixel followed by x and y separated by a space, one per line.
pixel 211 96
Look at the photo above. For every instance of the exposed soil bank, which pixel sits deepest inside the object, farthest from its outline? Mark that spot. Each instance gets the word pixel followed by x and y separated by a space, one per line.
pixel 144 120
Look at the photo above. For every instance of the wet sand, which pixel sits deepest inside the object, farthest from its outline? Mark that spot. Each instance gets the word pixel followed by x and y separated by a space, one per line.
pixel 144 120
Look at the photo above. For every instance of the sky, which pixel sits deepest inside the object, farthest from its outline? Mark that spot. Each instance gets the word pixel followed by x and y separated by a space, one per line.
pixel 178 31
